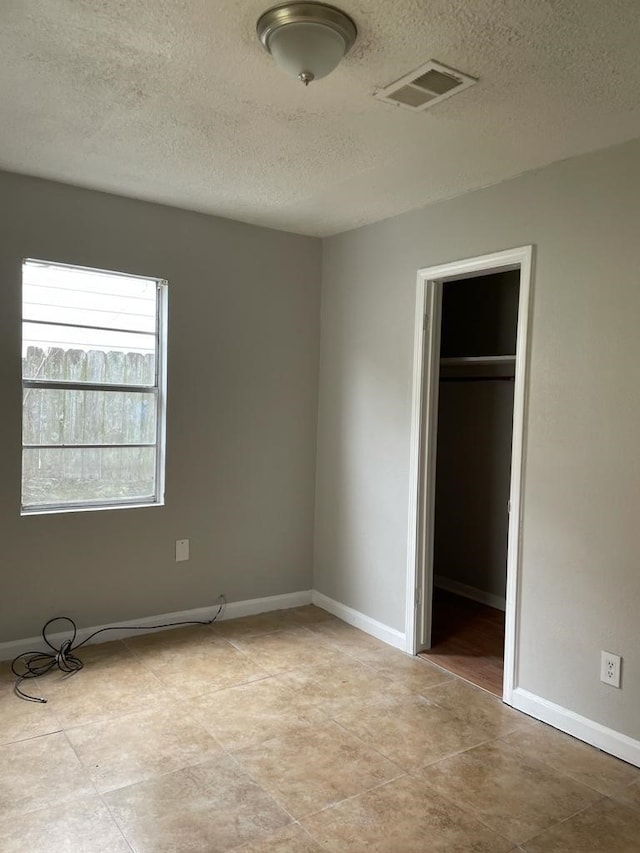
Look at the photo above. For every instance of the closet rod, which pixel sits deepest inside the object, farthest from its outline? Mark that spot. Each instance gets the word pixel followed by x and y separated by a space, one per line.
pixel 477 379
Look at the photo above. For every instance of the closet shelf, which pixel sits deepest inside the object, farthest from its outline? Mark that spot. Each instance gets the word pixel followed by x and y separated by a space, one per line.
pixel 480 360
pixel 478 368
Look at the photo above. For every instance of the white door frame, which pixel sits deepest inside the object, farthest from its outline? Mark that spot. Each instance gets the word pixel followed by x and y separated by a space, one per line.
pixel 423 446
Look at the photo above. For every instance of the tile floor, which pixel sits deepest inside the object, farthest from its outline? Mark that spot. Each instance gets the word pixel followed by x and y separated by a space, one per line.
pixel 292 732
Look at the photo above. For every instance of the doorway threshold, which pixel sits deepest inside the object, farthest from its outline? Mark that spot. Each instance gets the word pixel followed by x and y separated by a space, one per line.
pixel 468 640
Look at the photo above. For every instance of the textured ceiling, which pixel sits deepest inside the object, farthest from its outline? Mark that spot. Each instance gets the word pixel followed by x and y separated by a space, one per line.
pixel 175 101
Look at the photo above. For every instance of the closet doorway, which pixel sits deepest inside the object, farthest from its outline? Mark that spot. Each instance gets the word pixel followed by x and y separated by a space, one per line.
pixel 466 465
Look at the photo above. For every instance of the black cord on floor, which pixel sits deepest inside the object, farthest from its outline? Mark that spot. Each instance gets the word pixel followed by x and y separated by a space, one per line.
pixel 34 664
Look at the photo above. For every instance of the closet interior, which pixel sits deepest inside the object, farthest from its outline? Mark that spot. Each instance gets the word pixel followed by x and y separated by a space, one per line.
pixel 473 469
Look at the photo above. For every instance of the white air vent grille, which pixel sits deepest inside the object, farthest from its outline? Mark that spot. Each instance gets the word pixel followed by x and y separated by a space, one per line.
pixel 425 87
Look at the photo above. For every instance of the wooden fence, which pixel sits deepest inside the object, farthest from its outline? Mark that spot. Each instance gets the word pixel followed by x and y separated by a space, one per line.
pixel 69 419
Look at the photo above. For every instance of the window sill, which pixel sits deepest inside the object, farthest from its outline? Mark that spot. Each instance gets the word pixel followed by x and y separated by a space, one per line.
pixel 57 510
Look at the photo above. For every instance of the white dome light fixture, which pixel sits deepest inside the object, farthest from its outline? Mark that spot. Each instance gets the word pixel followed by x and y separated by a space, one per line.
pixel 307 40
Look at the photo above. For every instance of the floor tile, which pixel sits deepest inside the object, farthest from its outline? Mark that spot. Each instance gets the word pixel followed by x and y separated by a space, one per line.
pixel 605 827
pixel 111 683
pixel 403 816
pixel 337 688
pixel 210 807
pixel 309 614
pixel 82 825
pixel 251 626
pixel 346 637
pixel 173 638
pixel 287 650
pixel 291 839
pixel 252 713
pixel 38 773
pixel 412 731
pixel 309 771
pixel 20 719
pixel 510 792
pixel 139 746
pixel 478 707
pixel 629 795
pixel 415 673
pixel 158 647
pixel 195 666
pixel 582 762
pixel 215 738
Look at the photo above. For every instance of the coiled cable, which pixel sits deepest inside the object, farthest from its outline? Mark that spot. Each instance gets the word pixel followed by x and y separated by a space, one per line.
pixel 34 664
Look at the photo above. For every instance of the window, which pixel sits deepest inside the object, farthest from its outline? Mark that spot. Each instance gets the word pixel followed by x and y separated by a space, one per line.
pixel 93 408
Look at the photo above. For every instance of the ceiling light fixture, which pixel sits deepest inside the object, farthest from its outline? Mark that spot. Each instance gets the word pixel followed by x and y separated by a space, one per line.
pixel 307 40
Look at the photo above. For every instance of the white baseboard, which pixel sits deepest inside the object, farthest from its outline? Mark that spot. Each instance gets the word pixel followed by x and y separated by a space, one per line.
pixel 602 737
pixel 470 592
pixel 232 610
pixel 235 609
pixel 360 620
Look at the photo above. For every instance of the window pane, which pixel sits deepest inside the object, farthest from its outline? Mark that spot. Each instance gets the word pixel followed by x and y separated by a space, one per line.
pixel 88 298
pixel 81 474
pixel 47 335
pixel 52 416
pixel 126 365
pixel 88 445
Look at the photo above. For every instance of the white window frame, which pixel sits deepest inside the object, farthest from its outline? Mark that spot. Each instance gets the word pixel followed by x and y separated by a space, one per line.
pixel 159 391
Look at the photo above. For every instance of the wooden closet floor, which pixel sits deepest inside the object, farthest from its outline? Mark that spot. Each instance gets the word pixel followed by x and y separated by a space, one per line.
pixel 468 640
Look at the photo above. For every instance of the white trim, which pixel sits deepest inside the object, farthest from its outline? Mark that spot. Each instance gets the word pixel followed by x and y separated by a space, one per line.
pixel 426 380
pixel 252 606
pixel 360 620
pixel 471 592
pixel 232 610
pixel 414 470
pixel 423 435
pixel 516 494
pixel 162 346
pixel 602 737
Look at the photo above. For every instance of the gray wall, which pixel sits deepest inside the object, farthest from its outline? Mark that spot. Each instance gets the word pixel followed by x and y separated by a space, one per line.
pixel 580 578
pixel 244 308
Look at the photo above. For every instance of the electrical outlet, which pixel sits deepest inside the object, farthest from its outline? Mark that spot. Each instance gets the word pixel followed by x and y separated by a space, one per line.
pixel 610 669
pixel 182 550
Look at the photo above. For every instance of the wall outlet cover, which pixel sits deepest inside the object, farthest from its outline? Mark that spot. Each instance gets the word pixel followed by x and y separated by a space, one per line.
pixel 182 550
pixel 610 666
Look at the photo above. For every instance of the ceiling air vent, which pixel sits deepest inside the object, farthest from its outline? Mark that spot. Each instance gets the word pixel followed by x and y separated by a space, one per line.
pixel 425 87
